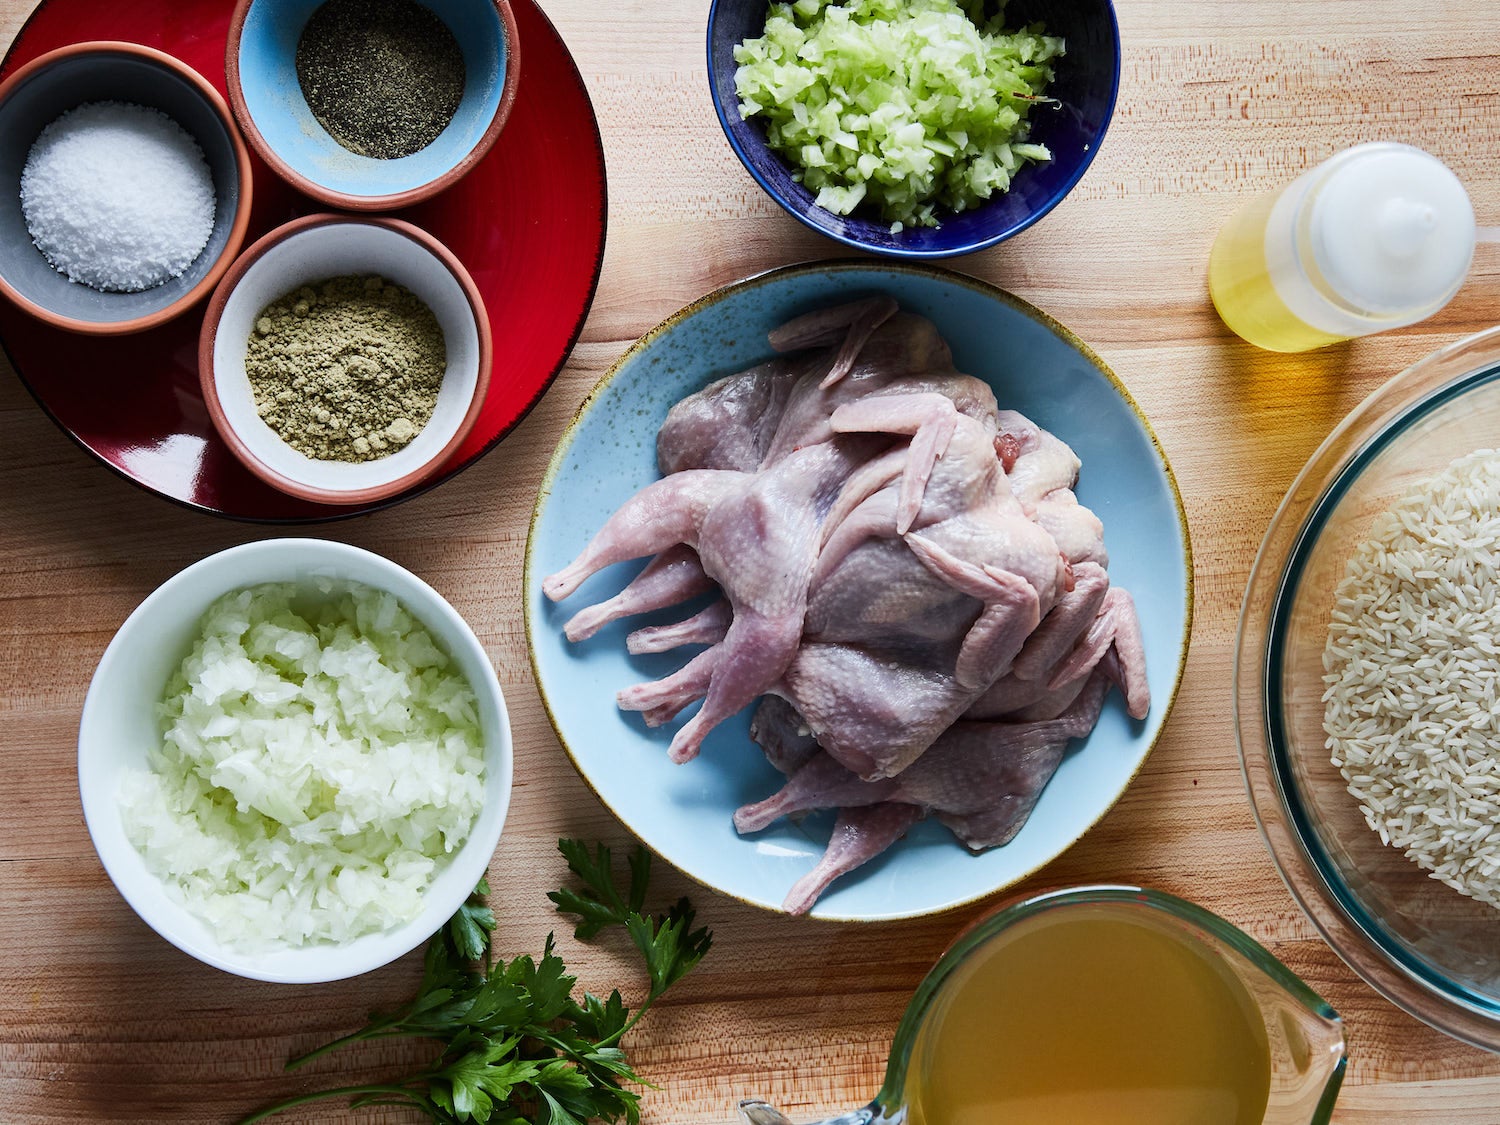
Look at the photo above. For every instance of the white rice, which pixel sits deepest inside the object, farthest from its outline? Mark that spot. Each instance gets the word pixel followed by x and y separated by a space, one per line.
pixel 1411 672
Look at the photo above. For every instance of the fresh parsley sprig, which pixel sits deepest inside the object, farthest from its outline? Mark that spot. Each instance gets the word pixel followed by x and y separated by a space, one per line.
pixel 668 942
pixel 516 1047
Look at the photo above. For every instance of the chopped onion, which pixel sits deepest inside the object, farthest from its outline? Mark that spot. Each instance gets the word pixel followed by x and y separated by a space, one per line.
pixel 320 756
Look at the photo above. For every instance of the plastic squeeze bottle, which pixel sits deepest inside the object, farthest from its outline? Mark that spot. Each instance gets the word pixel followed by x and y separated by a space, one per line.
pixel 1378 236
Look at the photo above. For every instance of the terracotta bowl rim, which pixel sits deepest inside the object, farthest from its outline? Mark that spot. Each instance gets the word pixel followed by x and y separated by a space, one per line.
pixel 243 175
pixel 396 200
pixel 210 331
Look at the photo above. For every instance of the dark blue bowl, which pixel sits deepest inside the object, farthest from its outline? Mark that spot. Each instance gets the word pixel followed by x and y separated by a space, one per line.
pixel 1087 79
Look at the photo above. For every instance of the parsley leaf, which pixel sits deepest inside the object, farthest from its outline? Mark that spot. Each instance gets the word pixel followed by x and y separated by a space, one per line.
pixel 668 942
pixel 471 927
pixel 517 1048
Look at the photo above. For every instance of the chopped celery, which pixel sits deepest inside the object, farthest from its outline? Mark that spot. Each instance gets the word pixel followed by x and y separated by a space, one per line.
pixel 904 105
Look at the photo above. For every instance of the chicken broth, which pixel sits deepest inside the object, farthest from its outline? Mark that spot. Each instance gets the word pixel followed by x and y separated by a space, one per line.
pixel 1091 1018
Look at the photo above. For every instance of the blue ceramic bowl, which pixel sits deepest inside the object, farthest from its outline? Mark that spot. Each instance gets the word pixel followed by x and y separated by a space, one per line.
pixel 268 104
pixel 1087 79
pixel 609 452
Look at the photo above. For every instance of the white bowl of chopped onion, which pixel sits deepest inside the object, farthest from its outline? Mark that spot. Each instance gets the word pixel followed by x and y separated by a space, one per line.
pixel 295 760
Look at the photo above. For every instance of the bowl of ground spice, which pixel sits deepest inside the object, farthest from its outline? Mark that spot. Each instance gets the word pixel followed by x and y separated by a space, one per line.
pixel 344 359
pixel 124 187
pixel 372 104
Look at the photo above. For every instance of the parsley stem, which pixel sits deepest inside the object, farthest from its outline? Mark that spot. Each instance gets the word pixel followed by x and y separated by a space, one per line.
pixel 635 1018
pixel 342 1091
pixel 373 1032
pixel 513 1041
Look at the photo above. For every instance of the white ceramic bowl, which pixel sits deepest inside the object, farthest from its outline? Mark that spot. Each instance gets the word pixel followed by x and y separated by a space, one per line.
pixel 119 726
pixel 313 249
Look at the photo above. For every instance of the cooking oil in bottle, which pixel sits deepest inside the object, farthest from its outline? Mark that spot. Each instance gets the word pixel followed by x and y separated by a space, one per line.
pixel 1240 282
pixel 1090 1018
pixel 1379 236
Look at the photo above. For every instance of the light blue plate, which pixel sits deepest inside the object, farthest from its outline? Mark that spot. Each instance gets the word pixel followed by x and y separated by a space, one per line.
pixel 683 812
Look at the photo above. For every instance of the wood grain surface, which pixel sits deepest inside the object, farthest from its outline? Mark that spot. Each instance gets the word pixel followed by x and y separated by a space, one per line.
pixel 100 1020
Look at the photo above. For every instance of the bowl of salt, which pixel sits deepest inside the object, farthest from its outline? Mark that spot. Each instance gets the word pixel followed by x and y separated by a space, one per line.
pixel 124 188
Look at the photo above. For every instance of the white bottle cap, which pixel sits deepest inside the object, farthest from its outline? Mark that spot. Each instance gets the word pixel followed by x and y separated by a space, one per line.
pixel 1392 231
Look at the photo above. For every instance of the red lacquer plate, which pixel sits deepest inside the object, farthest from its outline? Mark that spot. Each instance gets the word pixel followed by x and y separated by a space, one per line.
pixel 528 222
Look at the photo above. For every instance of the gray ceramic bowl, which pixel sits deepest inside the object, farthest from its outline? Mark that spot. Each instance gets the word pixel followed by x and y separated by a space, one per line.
pixel 54 83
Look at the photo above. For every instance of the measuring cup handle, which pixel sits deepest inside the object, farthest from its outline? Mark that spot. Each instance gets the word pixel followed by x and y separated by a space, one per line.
pixel 753 1111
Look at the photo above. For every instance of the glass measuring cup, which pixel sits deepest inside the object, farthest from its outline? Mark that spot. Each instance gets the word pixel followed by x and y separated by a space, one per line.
pixel 1302 1037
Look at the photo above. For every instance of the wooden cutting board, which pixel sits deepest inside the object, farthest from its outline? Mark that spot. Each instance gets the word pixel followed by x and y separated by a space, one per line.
pixel 100 1020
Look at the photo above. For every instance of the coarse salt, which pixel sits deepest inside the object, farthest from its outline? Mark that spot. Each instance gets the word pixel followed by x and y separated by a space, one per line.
pixel 117 196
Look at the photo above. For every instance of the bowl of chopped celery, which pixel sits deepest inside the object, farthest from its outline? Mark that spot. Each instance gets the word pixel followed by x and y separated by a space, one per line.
pixel 294 760
pixel 919 129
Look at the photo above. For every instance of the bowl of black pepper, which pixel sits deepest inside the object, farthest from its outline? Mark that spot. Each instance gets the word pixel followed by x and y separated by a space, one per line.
pixel 371 105
pixel 344 359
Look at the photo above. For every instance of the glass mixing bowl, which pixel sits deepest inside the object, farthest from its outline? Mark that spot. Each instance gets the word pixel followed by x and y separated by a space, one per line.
pixel 1424 946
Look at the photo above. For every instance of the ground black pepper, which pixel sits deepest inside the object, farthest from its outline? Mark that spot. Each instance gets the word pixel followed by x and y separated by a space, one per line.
pixel 384 77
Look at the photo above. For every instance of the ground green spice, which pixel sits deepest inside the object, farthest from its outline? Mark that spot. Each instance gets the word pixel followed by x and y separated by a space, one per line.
pixel 384 77
pixel 348 369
